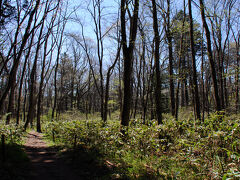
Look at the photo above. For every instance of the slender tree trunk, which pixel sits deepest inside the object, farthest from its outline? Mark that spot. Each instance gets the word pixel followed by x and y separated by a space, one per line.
pixel 11 103
pixel 72 91
pixel 106 99
pixel 195 84
pixel 25 100
pixel 237 77
pixel 144 93
pixel 40 91
pixel 148 92
pixel 202 80
pixel 207 91
pixel 221 71
pixel 170 52
pixel 12 75
pixel 225 71
pixel 41 88
pixel 157 65
pixel 120 99
pixel 107 85
pixel 185 83
pixel 210 57
pixel 22 78
pixel 32 95
pixel 33 79
pixel 179 63
pixel 39 107
pixel 56 70
pixel 138 87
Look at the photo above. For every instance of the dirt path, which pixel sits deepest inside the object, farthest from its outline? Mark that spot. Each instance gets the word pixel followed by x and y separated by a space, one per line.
pixel 45 163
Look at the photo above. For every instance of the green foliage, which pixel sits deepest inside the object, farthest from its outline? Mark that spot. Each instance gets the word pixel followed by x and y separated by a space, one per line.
pixel 183 149
pixel 13 133
pixel 16 165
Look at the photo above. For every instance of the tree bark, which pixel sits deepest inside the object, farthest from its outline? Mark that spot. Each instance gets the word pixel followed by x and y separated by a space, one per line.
pixel 10 110
pixel 107 85
pixel 157 65
pixel 195 83
pixel 128 59
pixel 21 80
pixel 180 72
pixel 170 57
pixel 210 57
pixel 56 66
pixel 237 105
pixel 33 79
pixel 41 89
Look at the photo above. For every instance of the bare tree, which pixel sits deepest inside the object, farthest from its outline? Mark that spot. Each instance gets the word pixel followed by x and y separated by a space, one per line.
pixel 195 84
pixel 210 56
pixel 128 57
pixel 170 57
pixel 62 21
pixel 45 53
pixel 101 83
pixel 157 65
pixel 33 74
pixel 17 55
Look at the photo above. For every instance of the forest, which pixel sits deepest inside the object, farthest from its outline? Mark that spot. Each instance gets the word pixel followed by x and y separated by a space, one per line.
pixel 122 89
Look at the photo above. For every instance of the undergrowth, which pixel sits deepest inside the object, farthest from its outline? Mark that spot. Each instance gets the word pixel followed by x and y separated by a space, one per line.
pixel 14 163
pixel 183 149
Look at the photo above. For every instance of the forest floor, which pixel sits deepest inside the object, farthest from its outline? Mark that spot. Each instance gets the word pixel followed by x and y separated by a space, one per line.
pixel 48 164
pixel 45 164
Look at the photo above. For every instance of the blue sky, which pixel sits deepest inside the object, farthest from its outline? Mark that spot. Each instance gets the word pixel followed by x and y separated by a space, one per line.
pixel 109 15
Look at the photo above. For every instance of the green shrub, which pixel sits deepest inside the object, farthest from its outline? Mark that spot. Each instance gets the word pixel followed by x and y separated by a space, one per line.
pixel 176 149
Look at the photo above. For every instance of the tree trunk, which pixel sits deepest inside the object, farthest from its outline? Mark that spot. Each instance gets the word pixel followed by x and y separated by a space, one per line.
pixel 180 73
pixel 210 57
pixel 170 52
pixel 107 84
pixel 202 80
pixel 32 95
pixel 128 59
pixel 25 100
pixel 40 92
pixel 237 77
pixel 11 103
pixel 22 78
pixel 56 70
pixel 195 84
pixel 33 79
pixel 157 65
pixel 12 75
pixel 41 88
pixel 138 87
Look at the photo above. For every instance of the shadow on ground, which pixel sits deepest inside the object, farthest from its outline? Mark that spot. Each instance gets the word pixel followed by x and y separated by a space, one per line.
pixel 16 165
pixel 47 165
pixel 57 163
pixel 90 164
pixel 37 161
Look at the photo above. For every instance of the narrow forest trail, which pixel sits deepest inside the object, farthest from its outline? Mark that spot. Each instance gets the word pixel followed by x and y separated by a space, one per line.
pixel 45 164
